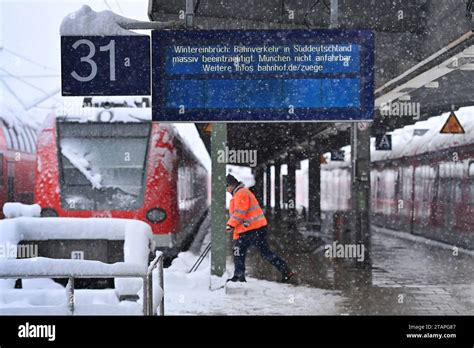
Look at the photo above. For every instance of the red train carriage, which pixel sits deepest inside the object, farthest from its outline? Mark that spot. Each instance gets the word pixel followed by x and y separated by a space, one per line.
pixel 139 170
pixel 430 195
pixel 17 163
pixel 424 186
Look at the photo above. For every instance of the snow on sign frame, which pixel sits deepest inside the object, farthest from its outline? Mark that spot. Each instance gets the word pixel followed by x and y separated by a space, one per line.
pixel 105 65
pixel 262 75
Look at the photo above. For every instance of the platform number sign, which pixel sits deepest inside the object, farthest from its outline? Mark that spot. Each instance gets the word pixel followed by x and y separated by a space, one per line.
pixel 105 65
pixel 383 142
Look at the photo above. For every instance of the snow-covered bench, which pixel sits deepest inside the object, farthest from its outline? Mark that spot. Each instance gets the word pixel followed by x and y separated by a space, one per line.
pixel 137 243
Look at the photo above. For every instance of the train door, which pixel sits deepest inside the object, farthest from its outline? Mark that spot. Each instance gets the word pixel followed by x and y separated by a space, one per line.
pixel 447 188
pixel 412 199
pixel 436 207
pixel 2 182
pixel 469 217
pixel 10 181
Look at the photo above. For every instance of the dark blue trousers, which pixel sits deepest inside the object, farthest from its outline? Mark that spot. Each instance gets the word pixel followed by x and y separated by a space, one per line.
pixel 259 239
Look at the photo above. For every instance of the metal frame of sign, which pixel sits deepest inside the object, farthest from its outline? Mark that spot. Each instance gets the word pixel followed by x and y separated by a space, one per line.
pixel 161 39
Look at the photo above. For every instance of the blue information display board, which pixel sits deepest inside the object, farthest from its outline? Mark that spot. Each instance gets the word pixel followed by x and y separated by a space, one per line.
pixel 262 75
pixel 105 65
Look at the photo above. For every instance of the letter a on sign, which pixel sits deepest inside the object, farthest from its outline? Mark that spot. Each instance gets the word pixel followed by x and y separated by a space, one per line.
pixel 452 126
pixel 383 142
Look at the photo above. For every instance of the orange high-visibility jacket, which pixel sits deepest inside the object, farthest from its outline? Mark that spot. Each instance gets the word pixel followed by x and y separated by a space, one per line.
pixel 245 212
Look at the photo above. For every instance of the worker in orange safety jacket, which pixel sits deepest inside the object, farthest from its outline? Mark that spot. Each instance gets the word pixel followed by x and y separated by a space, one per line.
pixel 247 223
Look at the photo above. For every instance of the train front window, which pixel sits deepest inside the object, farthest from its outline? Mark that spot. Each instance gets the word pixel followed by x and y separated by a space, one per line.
pixel 102 165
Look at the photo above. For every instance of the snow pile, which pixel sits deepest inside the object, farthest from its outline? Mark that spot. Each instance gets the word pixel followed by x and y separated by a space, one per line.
pixel 85 21
pixel 14 210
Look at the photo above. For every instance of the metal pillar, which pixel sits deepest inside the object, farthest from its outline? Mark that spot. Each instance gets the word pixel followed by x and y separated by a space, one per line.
pixel 218 203
pixel 268 188
pixel 189 14
pixel 360 149
pixel 277 190
pixel 258 189
pixel 334 19
pixel 291 190
pixel 314 190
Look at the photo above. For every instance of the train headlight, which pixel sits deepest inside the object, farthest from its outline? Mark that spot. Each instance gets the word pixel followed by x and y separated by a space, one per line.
pixel 156 215
pixel 49 212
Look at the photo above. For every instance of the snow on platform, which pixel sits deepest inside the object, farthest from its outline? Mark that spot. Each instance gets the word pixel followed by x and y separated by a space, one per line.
pixel 189 294
pixel 185 294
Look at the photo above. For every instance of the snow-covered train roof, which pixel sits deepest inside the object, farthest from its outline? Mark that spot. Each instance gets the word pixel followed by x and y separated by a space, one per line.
pixel 405 143
pixel 416 139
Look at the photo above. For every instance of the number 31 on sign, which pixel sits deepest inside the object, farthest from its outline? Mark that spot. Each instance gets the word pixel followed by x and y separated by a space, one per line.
pixel 105 65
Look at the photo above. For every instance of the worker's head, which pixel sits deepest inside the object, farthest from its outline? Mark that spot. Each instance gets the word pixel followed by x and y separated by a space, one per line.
pixel 230 183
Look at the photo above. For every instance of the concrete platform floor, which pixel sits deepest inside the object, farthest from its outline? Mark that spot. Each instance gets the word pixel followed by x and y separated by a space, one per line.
pixel 407 277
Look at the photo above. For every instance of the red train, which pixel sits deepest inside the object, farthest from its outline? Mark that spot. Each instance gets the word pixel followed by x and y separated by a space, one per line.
pixel 429 195
pixel 138 170
pixel 424 186
pixel 17 163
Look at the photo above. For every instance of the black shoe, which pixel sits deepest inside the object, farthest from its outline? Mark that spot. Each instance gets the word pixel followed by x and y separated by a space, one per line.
pixel 237 279
pixel 286 277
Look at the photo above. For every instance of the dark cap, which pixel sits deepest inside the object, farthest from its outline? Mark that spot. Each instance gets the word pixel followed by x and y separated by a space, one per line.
pixel 230 180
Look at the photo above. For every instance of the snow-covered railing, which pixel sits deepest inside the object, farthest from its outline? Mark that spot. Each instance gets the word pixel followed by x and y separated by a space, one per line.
pixel 137 245
pixel 71 269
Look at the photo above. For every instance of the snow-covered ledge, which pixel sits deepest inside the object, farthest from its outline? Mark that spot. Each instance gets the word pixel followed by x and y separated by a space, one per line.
pixel 87 22
pixel 136 234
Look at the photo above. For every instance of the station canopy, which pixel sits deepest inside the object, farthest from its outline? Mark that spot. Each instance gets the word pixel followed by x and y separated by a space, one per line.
pixel 424 61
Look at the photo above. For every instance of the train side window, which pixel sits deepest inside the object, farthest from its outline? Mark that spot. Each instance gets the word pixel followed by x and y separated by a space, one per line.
pixel 471 170
pixel 471 183
pixel 457 190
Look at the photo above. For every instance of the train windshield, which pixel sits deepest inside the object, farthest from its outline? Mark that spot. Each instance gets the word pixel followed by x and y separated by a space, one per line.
pixel 102 166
